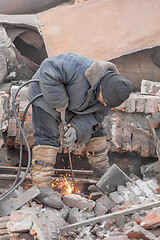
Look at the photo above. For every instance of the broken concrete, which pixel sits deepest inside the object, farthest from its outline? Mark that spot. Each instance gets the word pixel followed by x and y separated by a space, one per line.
pixel 148 87
pixel 112 178
pixel 14 203
pixel 138 232
pixel 74 200
pixel 46 223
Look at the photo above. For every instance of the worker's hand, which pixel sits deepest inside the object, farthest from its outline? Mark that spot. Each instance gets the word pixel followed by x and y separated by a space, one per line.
pixel 70 136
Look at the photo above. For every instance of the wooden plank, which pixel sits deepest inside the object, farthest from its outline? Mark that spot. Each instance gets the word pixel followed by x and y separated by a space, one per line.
pixel 110 216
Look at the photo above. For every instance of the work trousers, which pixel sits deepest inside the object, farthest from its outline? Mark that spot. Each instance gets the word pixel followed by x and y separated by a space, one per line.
pixel 46 128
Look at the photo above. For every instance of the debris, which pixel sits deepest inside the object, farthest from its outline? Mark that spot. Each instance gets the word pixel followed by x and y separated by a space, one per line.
pixel 105 201
pixel 74 200
pixel 72 220
pixel 116 197
pixel 75 216
pixel 100 209
pixel 110 216
pixel 6 207
pixel 149 87
pixel 138 232
pixel 155 138
pixel 152 220
pixel 113 177
pixel 95 195
pixel 20 221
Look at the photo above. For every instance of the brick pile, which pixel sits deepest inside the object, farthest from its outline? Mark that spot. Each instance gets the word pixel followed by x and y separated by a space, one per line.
pixel 133 111
pixel 119 139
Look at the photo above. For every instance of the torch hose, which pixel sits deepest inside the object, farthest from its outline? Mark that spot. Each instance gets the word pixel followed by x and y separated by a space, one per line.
pixel 22 134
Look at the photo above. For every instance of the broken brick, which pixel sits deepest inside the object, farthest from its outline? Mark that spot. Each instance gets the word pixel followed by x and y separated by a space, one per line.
pixel 152 220
pixel 74 200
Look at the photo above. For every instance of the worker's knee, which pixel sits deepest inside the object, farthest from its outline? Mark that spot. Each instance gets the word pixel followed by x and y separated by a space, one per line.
pixel 97 153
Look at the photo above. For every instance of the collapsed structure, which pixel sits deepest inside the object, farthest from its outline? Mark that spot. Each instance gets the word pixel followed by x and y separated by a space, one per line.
pixel 133 129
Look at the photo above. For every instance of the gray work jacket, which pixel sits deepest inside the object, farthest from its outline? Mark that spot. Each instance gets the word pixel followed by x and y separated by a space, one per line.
pixel 72 78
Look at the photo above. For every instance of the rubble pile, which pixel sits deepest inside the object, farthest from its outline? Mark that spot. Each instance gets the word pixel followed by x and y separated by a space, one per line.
pixel 82 217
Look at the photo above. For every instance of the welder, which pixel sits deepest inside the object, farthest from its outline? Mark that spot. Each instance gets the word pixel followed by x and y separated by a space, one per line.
pixel 86 90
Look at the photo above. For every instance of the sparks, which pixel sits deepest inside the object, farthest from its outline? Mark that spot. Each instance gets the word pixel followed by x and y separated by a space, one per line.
pixel 63 185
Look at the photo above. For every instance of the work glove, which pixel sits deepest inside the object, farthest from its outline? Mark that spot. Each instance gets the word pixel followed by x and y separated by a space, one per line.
pixel 70 136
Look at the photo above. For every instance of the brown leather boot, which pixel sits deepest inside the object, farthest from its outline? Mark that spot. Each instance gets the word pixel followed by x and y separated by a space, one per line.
pixel 42 170
pixel 97 154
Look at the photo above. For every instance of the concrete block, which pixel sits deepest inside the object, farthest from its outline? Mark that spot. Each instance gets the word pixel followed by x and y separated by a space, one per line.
pixel 144 188
pixel 112 179
pixel 151 105
pixel 75 216
pixel 140 102
pixel 120 221
pixel 74 200
pixel 124 192
pixel 95 195
pixel 141 199
pixel 47 224
pixel 134 198
pixel 149 87
pixel 65 212
pixel 100 209
pixel 12 204
pixel 152 183
pixel 115 197
pixel 105 201
pixel 134 189
pixel 20 222
pixel 88 215
pixel 130 105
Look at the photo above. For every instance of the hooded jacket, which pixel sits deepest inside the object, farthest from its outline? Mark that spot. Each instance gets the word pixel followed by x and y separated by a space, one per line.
pixel 72 78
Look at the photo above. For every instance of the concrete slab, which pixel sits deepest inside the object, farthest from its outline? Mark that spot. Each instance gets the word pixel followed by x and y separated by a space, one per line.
pixel 112 179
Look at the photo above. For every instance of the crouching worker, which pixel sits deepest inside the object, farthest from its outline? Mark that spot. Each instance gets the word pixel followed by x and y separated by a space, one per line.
pixel 86 90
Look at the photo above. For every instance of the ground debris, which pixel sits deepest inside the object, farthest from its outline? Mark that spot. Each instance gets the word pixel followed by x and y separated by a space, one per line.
pixel 43 223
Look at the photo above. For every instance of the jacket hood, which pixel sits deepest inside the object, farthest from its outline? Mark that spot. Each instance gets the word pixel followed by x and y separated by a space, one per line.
pixel 97 71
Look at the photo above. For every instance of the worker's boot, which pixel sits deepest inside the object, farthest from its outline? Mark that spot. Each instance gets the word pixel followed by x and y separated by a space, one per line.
pixel 42 170
pixel 97 154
